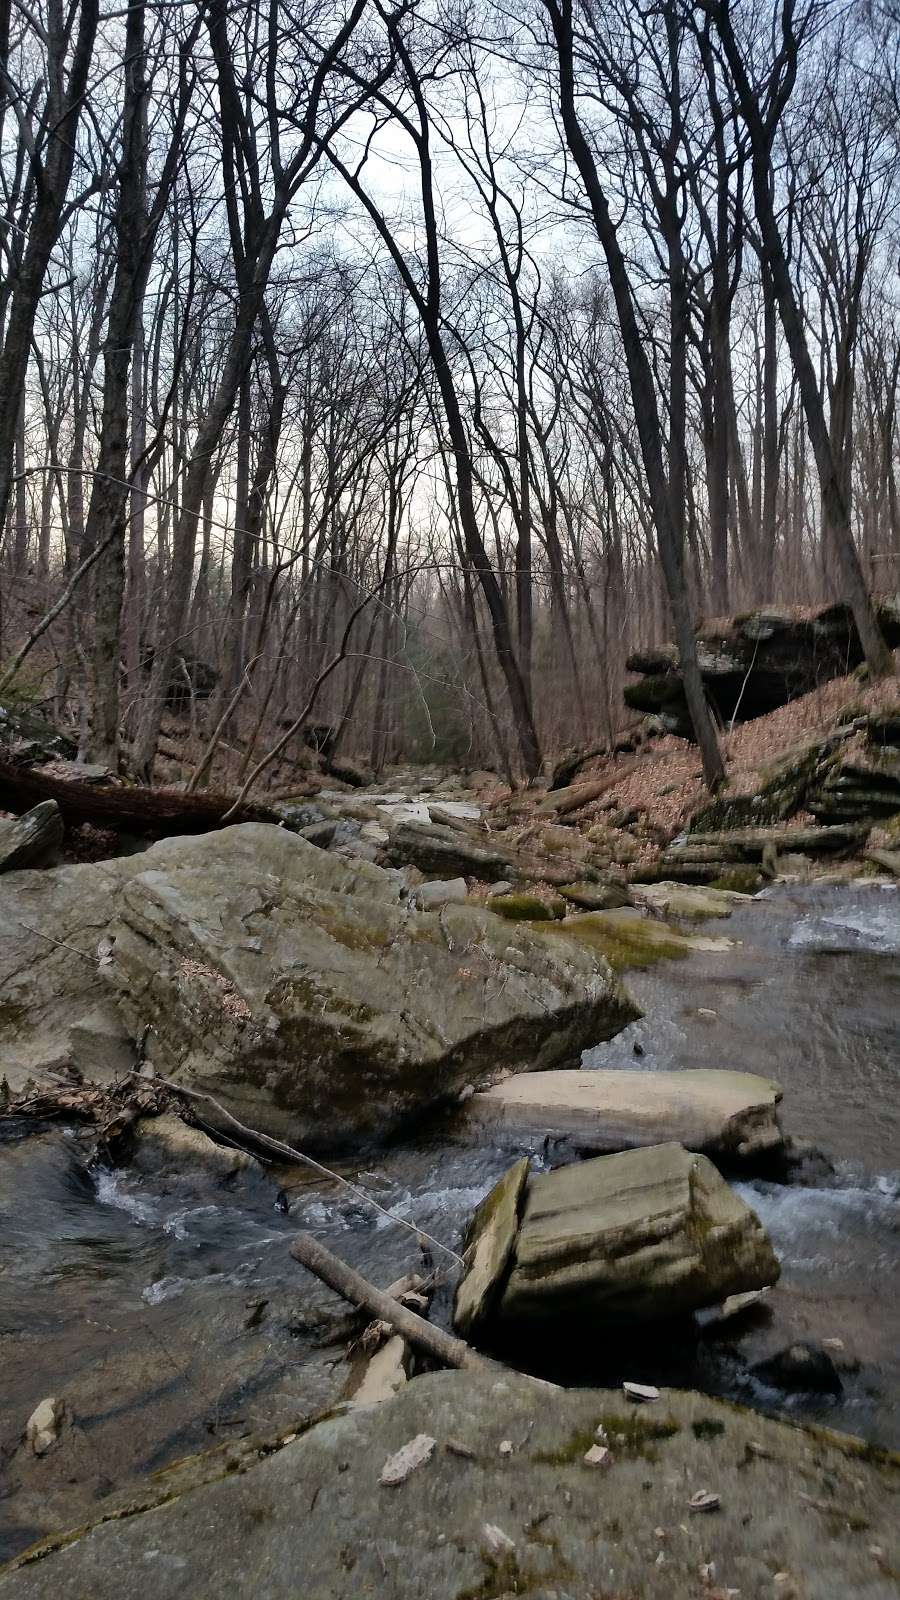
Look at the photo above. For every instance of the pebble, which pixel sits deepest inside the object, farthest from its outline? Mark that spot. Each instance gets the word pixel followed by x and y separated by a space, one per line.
pixel 497 1543
pixel 398 1467
pixel 43 1426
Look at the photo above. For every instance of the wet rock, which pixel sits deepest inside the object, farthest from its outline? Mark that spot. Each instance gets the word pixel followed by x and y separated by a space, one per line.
pixel 731 1114
pixel 384 1373
pixel 45 1424
pixel 29 839
pixel 629 938
pixel 572 1530
pixel 630 1238
pixel 305 994
pixel 800 1366
pixel 166 1147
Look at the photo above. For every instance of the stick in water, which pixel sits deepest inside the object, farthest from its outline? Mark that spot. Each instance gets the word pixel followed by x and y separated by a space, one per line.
pixel 450 1351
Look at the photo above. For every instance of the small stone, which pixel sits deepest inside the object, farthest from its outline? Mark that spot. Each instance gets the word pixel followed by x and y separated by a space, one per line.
pixel 876 1551
pixel 708 1572
pixel 457 1448
pixel 598 1456
pixel 644 1392
pixel 398 1467
pixel 704 1500
pixel 600 1434
pixel 497 1543
pixel 506 1447
pixel 660 1560
pixel 43 1426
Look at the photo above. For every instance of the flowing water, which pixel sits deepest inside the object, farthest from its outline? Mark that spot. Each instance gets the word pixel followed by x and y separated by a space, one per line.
pixel 171 1317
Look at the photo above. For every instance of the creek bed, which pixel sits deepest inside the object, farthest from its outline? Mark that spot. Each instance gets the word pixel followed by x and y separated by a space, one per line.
pixel 171 1318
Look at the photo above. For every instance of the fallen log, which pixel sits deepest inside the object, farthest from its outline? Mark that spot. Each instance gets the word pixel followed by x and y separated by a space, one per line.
pixel 560 801
pixel 351 1286
pixel 126 807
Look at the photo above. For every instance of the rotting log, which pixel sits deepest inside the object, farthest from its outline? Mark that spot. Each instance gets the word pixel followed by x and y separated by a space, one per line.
pixel 126 807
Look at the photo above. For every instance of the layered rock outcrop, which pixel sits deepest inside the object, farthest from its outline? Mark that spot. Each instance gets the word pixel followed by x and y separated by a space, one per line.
pixel 757 661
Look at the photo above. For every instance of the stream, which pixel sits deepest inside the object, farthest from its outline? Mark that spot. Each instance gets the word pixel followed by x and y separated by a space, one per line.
pixel 171 1318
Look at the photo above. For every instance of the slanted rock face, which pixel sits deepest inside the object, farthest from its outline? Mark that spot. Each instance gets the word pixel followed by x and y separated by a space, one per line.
pixel 626 1238
pixel 312 1517
pixel 308 997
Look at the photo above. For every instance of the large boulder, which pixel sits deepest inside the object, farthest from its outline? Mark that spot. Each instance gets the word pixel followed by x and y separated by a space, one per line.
pixel 286 1515
pixel 731 1114
pixel 306 994
pixel 621 1239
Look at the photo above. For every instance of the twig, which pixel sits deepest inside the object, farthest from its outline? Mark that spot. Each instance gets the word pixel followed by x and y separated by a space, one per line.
pixel 298 1155
pixel 60 943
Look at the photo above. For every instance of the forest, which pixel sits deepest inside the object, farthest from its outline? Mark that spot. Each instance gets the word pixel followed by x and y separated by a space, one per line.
pixel 386 374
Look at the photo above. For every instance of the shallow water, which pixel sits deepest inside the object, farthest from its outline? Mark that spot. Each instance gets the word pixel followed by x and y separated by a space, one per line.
pixel 171 1316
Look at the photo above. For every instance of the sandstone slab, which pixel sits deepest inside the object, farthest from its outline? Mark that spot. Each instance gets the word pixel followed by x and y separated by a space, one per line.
pixel 733 1114
pixel 638 1237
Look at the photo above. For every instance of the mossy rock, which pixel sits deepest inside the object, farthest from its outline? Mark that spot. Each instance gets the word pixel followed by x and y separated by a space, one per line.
pixel 528 907
pixel 626 941
pixel 740 880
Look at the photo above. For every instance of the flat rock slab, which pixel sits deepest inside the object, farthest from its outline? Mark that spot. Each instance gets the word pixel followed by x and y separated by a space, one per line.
pixel 310 1517
pixel 638 1237
pixel 308 996
pixel 721 1113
